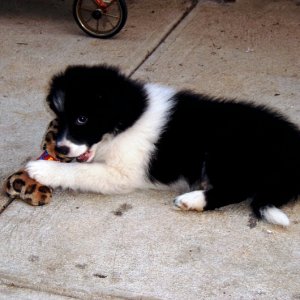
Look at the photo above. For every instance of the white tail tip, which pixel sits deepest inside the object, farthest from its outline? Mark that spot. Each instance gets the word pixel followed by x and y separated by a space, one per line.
pixel 275 216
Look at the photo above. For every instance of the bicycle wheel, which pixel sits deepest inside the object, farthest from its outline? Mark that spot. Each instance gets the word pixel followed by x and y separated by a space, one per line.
pixel 100 18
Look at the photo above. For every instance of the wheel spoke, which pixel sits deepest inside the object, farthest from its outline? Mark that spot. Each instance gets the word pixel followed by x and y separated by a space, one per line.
pixel 108 20
pixel 111 16
pixel 87 9
pixel 94 3
pixel 98 25
pixel 104 23
pixel 89 19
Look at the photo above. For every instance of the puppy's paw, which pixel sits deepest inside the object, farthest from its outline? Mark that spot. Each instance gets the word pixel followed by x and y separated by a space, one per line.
pixel 190 201
pixel 43 171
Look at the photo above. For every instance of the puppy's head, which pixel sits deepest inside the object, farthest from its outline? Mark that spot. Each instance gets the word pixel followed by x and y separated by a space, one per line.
pixel 90 102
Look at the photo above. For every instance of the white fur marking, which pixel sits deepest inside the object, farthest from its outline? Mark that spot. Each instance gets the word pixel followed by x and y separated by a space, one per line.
pixel 275 216
pixel 191 201
pixel 75 149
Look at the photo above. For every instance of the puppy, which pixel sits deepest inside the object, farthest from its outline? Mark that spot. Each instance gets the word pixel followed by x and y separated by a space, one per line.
pixel 129 135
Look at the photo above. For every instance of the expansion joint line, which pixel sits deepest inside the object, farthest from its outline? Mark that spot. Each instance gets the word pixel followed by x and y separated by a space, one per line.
pixel 184 15
pixel 2 209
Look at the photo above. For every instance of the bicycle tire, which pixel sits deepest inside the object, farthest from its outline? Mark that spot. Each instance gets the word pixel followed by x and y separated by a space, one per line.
pixel 95 32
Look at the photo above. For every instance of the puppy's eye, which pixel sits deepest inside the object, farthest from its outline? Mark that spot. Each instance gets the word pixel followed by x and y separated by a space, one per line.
pixel 81 120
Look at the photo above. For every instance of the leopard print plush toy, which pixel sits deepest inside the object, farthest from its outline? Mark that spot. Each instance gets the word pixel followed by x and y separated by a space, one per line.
pixel 20 186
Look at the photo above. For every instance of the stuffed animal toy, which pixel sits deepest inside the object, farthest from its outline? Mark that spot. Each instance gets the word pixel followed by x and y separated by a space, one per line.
pixel 20 186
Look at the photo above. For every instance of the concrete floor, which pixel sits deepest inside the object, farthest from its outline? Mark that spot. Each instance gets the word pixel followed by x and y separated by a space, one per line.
pixel 78 247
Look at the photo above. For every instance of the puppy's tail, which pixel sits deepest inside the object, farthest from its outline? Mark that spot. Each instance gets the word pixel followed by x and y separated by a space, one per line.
pixel 274 215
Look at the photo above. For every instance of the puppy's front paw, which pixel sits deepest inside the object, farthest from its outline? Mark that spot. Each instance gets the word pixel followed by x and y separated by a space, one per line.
pixel 43 171
pixel 190 201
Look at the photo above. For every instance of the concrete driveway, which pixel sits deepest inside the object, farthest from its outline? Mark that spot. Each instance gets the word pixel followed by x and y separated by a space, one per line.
pixel 135 246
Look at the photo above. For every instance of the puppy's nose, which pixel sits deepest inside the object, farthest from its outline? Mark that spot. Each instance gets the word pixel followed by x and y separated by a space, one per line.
pixel 64 150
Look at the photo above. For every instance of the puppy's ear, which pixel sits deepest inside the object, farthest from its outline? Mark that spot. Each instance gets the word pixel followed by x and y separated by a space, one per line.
pixel 56 96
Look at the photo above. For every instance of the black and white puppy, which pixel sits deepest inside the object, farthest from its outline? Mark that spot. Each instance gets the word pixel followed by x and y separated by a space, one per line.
pixel 129 135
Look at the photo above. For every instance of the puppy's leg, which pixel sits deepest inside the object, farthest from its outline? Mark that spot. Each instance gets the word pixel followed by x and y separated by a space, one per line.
pixel 191 201
pixel 92 177
pixel 207 200
pixel 265 204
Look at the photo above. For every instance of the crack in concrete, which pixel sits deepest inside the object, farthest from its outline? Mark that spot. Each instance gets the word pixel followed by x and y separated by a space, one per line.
pixel 166 35
pixel 117 295
pixel 28 288
pixel 3 208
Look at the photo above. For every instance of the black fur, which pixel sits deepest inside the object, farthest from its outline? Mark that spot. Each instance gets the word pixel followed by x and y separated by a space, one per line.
pixel 92 92
pixel 242 150
pixel 236 150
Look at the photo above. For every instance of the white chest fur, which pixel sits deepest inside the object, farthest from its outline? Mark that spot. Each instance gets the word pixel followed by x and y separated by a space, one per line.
pixel 130 151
